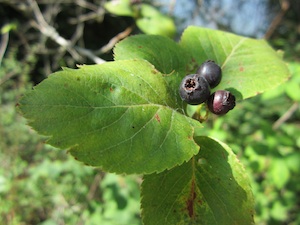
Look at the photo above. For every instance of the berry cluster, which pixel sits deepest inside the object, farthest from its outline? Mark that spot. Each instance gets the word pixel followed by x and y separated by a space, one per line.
pixel 195 89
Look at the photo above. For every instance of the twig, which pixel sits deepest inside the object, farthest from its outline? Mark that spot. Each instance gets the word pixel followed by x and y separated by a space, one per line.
pixel 89 54
pixel 97 12
pixel 89 16
pixel 278 18
pixel 94 186
pixel 286 116
pixel 7 77
pixel 114 40
pixel 79 29
pixel 87 5
pixel 91 194
pixel 3 45
pixel 50 32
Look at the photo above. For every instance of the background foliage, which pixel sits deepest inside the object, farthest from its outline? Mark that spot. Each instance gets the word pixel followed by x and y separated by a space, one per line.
pixel 40 185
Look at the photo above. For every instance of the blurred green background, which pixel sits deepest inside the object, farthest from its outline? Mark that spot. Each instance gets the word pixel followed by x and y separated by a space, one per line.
pixel 43 185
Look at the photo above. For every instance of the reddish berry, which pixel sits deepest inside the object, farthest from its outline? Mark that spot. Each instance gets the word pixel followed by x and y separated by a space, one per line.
pixel 221 102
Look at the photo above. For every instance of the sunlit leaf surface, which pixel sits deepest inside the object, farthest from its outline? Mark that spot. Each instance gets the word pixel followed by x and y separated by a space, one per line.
pixel 119 116
pixel 249 66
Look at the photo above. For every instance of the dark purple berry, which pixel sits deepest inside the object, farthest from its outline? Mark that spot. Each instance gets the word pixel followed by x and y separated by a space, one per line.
pixel 194 89
pixel 221 102
pixel 211 72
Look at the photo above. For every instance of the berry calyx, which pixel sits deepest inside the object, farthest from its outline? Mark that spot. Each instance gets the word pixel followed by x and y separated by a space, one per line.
pixel 211 72
pixel 194 89
pixel 221 102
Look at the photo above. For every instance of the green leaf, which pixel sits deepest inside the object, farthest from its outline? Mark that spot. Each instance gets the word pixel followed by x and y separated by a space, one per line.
pixel 151 21
pixel 148 19
pixel 293 86
pixel 293 90
pixel 166 55
pixel 119 116
pixel 120 8
pixel 279 211
pixel 249 66
pixel 8 27
pixel 212 188
pixel 279 173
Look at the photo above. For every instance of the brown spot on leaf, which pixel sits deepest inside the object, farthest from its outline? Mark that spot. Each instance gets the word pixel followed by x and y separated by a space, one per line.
pixel 157 118
pixel 111 89
pixel 140 46
pixel 242 69
pixel 191 201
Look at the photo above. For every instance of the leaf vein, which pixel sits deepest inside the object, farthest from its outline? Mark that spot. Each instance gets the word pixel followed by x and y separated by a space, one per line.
pixel 233 51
